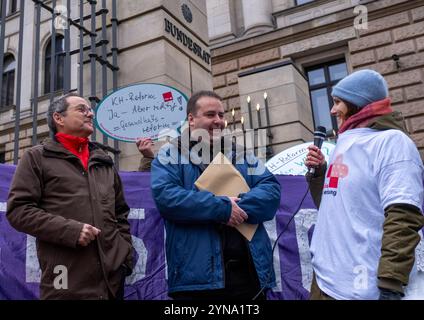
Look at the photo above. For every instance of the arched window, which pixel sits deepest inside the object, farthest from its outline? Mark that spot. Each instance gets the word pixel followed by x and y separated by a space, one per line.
pixel 8 86
pixel 59 61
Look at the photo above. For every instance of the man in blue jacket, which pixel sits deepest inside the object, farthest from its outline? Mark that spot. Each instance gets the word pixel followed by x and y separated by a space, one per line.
pixel 207 257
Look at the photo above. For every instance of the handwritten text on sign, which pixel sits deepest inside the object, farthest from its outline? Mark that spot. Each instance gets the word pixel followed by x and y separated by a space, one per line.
pixel 142 110
pixel 292 161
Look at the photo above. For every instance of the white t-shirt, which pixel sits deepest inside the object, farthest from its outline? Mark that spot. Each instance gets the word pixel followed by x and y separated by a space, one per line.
pixel 368 171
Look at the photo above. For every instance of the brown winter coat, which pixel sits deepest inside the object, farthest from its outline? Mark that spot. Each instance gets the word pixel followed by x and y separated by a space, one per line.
pixel 51 197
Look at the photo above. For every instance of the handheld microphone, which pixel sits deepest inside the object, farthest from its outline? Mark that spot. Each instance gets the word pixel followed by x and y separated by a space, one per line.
pixel 319 136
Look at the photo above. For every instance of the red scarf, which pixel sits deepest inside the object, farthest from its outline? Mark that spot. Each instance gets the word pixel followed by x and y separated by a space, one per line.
pixel 78 146
pixel 364 117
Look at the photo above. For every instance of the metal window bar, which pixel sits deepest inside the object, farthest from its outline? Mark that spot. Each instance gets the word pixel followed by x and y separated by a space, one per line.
pixel 18 89
pixel 36 71
pixel 82 18
pixel 67 66
pixel 104 57
pixel 81 49
pixel 93 99
pixel 114 49
pixel 70 21
pixel 56 56
pixel 53 56
pixel 2 35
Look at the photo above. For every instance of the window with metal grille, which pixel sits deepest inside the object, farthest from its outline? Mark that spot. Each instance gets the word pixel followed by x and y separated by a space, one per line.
pixel 8 85
pixel 321 80
pixel 59 58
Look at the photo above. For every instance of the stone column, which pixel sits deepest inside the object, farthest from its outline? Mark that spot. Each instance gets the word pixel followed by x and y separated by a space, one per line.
pixel 257 15
pixel 221 22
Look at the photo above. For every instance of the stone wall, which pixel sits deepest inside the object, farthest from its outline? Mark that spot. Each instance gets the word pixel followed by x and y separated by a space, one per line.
pixel 400 34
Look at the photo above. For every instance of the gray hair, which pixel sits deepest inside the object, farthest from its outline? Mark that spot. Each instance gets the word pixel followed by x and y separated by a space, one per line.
pixel 59 105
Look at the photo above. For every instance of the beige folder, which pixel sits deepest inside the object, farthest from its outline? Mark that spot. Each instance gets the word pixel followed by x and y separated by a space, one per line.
pixel 222 179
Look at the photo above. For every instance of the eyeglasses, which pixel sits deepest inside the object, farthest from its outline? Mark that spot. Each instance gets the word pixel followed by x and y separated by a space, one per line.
pixel 83 109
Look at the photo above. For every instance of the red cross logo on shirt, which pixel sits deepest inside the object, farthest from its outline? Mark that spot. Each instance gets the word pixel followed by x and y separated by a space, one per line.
pixel 337 170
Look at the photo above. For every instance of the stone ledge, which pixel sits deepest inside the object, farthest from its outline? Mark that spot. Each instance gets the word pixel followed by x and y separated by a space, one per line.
pixel 371 41
pixel 407 32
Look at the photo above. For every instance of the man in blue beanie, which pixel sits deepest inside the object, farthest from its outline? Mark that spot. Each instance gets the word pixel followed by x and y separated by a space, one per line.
pixel 369 198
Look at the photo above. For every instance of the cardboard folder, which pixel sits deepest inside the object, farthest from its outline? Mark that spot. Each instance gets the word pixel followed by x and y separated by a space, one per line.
pixel 222 179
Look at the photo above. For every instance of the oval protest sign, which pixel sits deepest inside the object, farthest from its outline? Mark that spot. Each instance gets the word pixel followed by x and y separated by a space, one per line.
pixel 291 161
pixel 145 110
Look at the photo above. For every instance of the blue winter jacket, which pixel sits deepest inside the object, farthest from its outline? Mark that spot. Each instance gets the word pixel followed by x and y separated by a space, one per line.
pixel 193 243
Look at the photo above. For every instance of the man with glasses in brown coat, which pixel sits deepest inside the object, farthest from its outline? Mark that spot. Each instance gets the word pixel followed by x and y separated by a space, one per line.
pixel 67 193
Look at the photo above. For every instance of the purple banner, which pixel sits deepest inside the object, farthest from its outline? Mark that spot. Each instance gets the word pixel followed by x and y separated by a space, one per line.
pixel 20 274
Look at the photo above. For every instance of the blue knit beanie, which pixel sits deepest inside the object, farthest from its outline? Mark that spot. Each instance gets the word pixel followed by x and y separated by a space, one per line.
pixel 361 88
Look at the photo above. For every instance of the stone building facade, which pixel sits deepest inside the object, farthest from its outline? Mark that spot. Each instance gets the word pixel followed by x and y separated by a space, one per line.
pixel 292 49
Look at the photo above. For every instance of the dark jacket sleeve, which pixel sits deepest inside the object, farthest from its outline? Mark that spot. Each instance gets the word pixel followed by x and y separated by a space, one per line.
pixel 121 212
pixel 24 212
pixel 400 238
pixel 316 183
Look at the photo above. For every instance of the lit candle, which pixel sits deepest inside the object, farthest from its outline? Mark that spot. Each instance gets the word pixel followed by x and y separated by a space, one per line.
pixel 249 108
pixel 242 123
pixel 226 123
pixel 258 107
pixel 234 121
